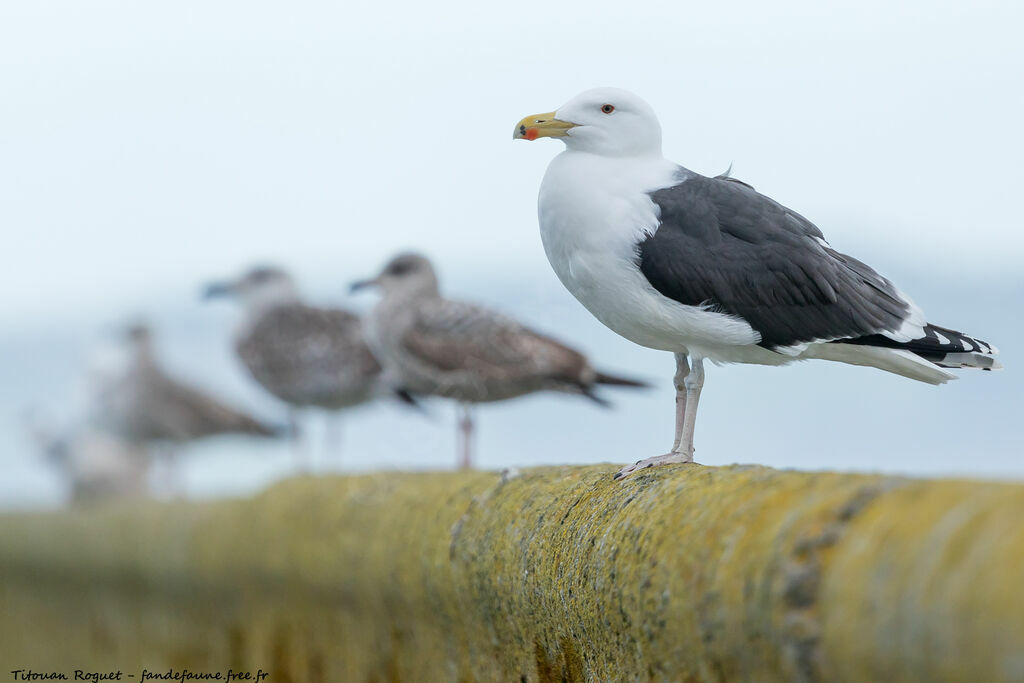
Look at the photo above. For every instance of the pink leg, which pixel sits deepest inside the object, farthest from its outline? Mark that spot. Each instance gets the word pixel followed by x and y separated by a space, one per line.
pixel 465 436
pixel 689 383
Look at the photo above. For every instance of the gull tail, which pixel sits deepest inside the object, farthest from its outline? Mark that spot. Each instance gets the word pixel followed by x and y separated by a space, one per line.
pixel 927 358
pixel 249 425
pixel 407 397
pixel 957 350
pixel 211 417
pixel 587 388
pixel 616 381
pixel 941 346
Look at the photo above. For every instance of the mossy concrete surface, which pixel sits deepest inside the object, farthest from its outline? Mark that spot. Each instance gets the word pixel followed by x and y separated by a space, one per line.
pixel 552 574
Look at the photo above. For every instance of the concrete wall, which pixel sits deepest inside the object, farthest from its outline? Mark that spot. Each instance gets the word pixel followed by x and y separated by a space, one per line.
pixel 685 573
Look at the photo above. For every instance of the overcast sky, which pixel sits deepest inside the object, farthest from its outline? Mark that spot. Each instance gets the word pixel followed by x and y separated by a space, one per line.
pixel 146 147
pixel 149 144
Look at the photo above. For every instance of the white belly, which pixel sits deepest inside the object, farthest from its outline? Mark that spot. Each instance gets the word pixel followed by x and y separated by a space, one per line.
pixel 593 212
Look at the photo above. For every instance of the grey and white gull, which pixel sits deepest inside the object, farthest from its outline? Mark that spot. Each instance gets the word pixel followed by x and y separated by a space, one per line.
pixel 138 401
pixel 708 268
pixel 431 345
pixel 307 356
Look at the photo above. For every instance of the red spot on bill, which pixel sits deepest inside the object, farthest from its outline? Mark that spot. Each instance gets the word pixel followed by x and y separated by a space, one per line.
pixel 531 134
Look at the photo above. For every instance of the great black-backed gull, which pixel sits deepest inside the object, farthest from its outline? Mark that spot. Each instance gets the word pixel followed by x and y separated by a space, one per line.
pixel 430 345
pixel 709 268
pixel 307 356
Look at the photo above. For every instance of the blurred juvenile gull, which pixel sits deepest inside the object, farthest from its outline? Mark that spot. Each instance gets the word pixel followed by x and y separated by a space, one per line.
pixel 97 466
pixel 430 345
pixel 307 356
pixel 709 268
pixel 141 403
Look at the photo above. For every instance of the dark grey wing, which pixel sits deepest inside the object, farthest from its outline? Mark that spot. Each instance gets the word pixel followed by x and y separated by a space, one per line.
pixel 452 336
pixel 304 354
pixel 722 244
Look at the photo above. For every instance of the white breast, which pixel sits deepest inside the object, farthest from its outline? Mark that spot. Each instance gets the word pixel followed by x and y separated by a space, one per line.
pixel 593 211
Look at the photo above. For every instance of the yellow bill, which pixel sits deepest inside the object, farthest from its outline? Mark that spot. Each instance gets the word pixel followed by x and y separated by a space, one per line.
pixel 541 126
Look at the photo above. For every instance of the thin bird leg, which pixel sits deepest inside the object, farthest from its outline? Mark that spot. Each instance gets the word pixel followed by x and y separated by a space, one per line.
pixel 300 454
pixel 163 485
pixel 332 440
pixel 682 372
pixel 465 436
pixel 172 471
pixel 688 381
pixel 693 384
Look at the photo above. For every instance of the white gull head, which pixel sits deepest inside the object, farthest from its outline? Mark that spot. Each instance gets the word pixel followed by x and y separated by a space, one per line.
pixel 260 289
pixel 604 121
pixel 406 275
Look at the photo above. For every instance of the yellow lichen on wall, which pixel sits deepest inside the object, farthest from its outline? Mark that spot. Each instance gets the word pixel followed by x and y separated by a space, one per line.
pixel 678 573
